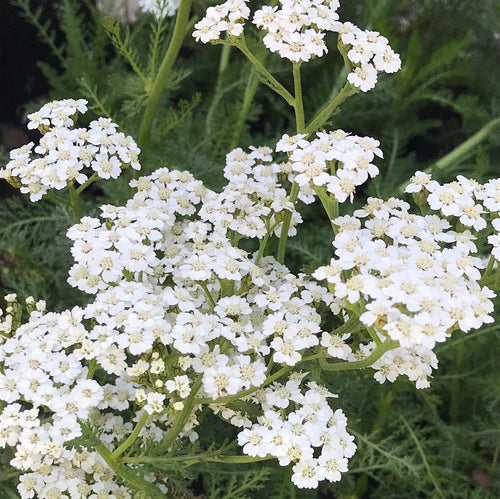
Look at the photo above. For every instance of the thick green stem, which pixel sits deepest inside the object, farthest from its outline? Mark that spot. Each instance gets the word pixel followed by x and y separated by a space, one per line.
pixel 237 396
pixel 298 107
pixel 223 62
pixel 231 398
pixel 207 293
pixel 347 327
pixel 488 270
pixel 178 35
pixel 54 198
pixel 131 438
pixel 331 206
pixel 360 364
pixel 465 147
pixel 91 368
pixel 263 243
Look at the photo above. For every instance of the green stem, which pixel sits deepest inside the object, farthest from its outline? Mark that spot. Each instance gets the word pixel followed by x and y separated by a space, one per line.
pixel 131 438
pixel 231 398
pixel 193 459
pixel 299 104
pixel 178 35
pixel 403 462
pixel 278 374
pixel 360 364
pixel 437 488
pixel 459 152
pixel 331 206
pixel 251 88
pixel 223 63
pixel 324 114
pixel 392 158
pixel 269 79
pixel 91 368
pixel 57 199
pixel 348 326
pixel 89 181
pixel 207 293
pixel 126 474
pixel 488 270
pixel 263 243
pixel 180 420
pixel 294 193
pixel 75 201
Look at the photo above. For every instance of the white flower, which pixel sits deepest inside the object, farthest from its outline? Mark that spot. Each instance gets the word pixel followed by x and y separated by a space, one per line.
pixel 363 77
pixel 154 403
pixel 179 384
pixel 307 474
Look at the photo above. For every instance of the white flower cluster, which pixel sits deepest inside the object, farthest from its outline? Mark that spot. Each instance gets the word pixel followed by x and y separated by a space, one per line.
pixel 312 436
pixel 336 160
pixel 418 281
pixel 159 8
pixel 42 407
pixel 182 315
pixel 227 17
pixel 215 291
pixel 459 198
pixel 65 154
pixel 174 301
pixel 466 200
pixel 296 30
pixel 370 54
pixel 252 202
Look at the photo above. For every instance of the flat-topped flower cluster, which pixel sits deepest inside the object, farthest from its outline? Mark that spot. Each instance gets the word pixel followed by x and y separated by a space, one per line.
pixel 336 161
pixel 296 30
pixel 66 155
pixel 182 317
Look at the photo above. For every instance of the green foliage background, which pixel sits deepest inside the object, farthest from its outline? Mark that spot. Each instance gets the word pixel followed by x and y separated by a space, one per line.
pixel 442 442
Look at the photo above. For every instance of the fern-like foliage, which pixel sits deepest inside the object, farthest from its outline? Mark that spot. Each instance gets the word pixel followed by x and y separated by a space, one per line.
pixel 121 40
pixel 237 485
pixel 34 252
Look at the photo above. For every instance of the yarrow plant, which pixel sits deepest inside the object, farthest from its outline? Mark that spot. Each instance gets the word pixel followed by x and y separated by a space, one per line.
pixel 192 309
pixel 68 157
